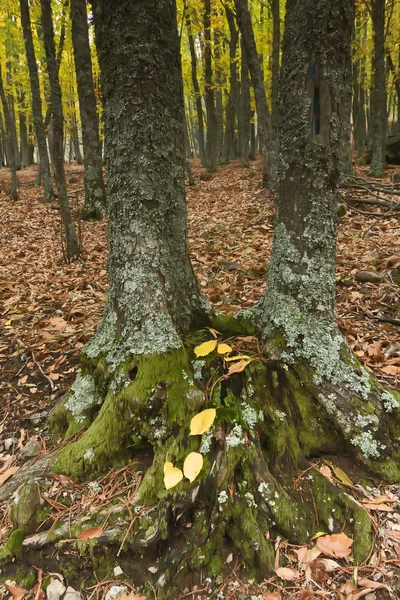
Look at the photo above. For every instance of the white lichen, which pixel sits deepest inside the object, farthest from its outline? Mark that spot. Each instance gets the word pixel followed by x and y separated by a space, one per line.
pixel 235 437
pixel 82 396
pixel 89 455
pixel 367 444
pixel 222 497
pixel 389 401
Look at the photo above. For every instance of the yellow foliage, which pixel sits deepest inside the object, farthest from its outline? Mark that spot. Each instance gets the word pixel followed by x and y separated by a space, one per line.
pixel 192 465
pixel 172 475
pixel 203 421
pixel 205 348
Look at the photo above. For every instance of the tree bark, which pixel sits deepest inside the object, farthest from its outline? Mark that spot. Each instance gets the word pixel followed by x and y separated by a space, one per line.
pixel 359 116
pixel 36 102
pixel 212 125
pixel 25 146
pixel 72 251
pixel 253 62
pixel 232 102
pixel 75 137
pixel 378 94
pixel 11 154
pixel 244 112
pixel 95 196
pixel 276 46
pixel 196 88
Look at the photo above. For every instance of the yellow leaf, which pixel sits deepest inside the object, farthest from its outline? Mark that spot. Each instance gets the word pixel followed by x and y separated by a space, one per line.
pixel 205 348
pixel 192 465
pixel 224 349
pixel 203 421
pixel 340 474
pixel 317 535
pixel 238 367
pixel 238 357
pixel 172 475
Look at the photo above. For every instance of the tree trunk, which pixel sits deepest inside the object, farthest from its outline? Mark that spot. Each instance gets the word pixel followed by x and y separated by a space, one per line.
pixel 95 196
pixel 378 94
pixel 138 390
pixel 36 102
pixel 276 46
pixel 71 242
pixel 232 102
pixel 359 117
pixel 25 146
pixel 244 112
pixel 196 88
pixel 212 126
pixel 253 62
pixel 346 161
pixel 11 154
pixel 11 111
pixel 75 138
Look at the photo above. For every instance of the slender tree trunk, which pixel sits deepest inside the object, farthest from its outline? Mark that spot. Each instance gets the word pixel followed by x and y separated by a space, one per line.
pixel 36 102
pixel 396 80
pixel 276 46
pixel 71 241
pixel 12 113
pixel 359 117
pixel 75 137
pixel 378 95
pixel 253 137
pixel 95 196
pixel 25 146
pixel 196 88
pixel 346 162
pixel 253 62
pixel 219 109
pixel 11 154
pixel 244 112
pixel 232 103
pixel 212 134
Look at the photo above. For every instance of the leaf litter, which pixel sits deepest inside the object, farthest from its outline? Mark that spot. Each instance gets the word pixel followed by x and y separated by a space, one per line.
pixel 48 310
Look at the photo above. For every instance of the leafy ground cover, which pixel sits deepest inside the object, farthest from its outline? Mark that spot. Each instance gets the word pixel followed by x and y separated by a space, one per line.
pixel 49 309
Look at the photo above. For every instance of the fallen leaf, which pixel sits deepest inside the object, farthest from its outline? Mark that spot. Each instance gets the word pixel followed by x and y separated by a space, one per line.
pixel 90 534
pixel 237 357
pixel 16 592
pixel 192 465
pixel 337 545
pixel 172 475
pixel 370 583
pixel 202 421
pixel 7 474
pixel 379 507
pixel 223 348
pixel 287 574
pixel 238 367
pixel 326 472
pixel 205 348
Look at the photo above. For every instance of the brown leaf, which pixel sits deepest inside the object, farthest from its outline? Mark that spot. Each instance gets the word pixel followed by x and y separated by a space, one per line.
pixel 337 545
pixel 238 367
pixel 287 574
pixel 16 592
pixel 7 474
pixel 379 507
pixel 91 533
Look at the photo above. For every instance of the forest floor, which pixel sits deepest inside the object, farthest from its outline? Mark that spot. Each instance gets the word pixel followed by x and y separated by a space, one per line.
pixel 49 309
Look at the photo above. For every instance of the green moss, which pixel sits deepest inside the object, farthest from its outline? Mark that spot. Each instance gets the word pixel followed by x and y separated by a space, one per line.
pixel 159 397
pixel 13 546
